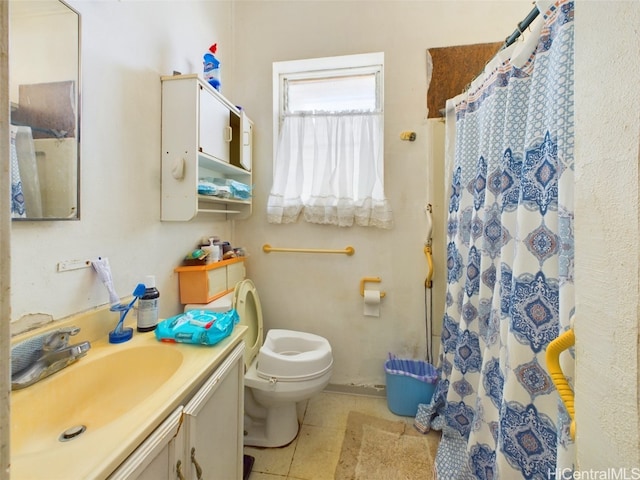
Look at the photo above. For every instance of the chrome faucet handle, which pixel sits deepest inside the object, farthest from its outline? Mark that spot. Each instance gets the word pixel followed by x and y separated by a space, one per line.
pixel 59 338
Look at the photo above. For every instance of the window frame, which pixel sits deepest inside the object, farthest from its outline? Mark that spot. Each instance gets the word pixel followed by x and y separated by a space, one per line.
pixel 322 67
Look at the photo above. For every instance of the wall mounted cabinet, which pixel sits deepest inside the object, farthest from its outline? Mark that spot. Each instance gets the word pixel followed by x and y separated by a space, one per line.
pixel 204 136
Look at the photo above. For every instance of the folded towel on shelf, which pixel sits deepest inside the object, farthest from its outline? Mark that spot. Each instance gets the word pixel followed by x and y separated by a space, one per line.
pixel 224 188
pixel 207 188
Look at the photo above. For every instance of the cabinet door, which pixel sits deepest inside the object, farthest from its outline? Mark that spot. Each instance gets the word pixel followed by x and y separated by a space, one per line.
pixel 159 457
pixel 217 281
pixel 214 131
pixel 246 149
pixel 235 274
pixel 214 423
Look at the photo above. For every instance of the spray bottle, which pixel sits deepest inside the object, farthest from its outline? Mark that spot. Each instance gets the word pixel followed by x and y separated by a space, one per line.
pixel 212 67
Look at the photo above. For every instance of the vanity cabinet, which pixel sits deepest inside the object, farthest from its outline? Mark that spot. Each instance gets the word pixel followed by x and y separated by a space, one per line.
pixel 204 136
pixel 203 438
pixel 160 456
pixel 213 421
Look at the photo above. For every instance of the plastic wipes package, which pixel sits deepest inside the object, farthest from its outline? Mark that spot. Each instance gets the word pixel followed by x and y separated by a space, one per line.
pixel 197 326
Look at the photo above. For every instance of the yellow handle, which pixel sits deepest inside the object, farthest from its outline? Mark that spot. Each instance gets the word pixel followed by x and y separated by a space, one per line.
pixel 427 281
pixel 554 349
pixel 370 279
pixel 349 250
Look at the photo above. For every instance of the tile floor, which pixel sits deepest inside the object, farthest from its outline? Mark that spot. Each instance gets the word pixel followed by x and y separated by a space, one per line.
pixel 314 454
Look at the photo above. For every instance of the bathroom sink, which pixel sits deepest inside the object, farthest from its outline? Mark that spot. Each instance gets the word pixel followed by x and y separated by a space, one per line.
pixel 88 395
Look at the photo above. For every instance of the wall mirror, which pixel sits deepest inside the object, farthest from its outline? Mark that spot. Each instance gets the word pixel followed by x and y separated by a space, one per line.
pixel 44 83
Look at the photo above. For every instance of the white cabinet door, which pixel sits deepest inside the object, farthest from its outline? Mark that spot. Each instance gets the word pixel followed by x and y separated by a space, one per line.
pixel 246 150
pixel 214 423
pixel 215 132
pixel 159 457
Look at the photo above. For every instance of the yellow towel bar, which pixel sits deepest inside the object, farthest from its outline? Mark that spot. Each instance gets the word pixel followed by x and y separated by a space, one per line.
pixel 554 349
pixel 347 251
pixel 370 279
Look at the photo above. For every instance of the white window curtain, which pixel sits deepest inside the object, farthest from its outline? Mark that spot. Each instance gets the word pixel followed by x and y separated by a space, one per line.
pixel 329 167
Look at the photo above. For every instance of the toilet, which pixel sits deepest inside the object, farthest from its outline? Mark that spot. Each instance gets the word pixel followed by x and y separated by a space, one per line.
pixel 282 369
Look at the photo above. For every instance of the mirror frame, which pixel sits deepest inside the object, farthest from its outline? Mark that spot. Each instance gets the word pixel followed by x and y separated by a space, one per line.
pixel 78 117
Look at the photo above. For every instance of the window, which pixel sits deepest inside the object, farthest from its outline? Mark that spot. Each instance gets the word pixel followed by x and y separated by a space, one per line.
pixel 328 142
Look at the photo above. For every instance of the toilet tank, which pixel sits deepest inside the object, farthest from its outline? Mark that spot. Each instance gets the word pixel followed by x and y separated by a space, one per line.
pixel 222 304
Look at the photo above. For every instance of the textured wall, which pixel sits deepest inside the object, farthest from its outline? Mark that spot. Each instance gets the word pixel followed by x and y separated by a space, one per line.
pixel 120 155
pixel 320 294
pixel 607 234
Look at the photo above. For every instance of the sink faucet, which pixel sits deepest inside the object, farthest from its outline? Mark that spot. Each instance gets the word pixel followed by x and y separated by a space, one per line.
pixel 38 357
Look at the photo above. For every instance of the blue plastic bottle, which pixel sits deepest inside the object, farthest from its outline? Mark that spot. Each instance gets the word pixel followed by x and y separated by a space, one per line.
pixel 212 67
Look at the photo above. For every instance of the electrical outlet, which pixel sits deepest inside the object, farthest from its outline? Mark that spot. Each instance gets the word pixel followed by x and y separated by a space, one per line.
pixel 67 265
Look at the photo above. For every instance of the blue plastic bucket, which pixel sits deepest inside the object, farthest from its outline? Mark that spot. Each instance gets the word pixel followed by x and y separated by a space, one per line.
pixel 409 383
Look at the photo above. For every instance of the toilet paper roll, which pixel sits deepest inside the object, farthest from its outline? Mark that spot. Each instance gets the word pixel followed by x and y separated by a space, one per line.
pixel 371 303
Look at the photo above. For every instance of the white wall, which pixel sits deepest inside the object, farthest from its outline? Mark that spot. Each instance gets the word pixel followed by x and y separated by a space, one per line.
pixel 320 293
pixel 126 46
pixel 607 92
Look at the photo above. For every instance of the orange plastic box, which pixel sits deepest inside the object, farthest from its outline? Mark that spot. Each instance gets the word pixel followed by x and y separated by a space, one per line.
pixel 206 283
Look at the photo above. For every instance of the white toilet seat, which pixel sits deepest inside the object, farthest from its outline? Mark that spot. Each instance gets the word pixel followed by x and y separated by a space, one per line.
pixel 291 356
pixel 283 389
pixel 288 368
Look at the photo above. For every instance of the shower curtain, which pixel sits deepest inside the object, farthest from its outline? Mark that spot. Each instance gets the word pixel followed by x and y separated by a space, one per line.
pixel 26 196
pixel 509 263
pixel 18 209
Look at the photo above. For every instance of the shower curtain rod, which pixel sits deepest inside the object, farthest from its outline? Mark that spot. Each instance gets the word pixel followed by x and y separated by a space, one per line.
pixel 523 25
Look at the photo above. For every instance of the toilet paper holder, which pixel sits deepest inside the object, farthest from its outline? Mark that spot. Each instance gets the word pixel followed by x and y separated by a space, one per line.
pixel 370 279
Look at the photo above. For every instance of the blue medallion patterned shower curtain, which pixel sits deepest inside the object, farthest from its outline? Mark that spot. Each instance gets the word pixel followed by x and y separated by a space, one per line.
pixel 509 263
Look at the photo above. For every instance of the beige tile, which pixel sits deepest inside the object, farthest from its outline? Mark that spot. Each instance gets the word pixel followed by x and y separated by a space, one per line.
pixel 318 438
pixel 377 407
pixel 272 460
pixel 317 453
pixel 329 410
